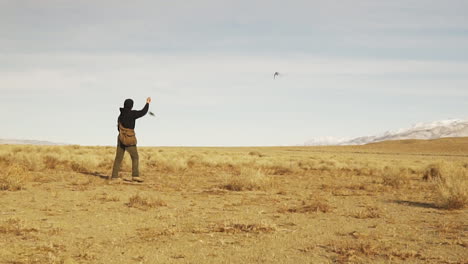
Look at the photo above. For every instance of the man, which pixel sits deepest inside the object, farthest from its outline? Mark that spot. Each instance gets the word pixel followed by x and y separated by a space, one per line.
pixel 126 140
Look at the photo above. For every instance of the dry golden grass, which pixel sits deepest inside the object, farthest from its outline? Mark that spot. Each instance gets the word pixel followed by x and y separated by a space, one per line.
pixel 368 212
pixel 395 177
pixel 13 178
pixel 248 179
pixel 312 205
pixel 369 251
pixel 452 189
pixel 16 227
pixel 391 202
pixel 433 171
pixel 144 203
pixel 104 197
pixel 235 227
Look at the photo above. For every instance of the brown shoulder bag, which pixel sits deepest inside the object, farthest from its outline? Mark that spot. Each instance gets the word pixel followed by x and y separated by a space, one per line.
pixel 127 136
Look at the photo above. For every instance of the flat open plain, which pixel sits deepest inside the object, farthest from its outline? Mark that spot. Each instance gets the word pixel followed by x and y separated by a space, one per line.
pixel 349 204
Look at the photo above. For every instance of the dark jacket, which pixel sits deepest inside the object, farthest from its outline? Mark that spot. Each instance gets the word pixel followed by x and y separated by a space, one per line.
pixel 128 116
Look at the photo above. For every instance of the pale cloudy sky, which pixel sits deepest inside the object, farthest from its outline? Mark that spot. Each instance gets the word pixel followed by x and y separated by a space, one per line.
pixel 351 68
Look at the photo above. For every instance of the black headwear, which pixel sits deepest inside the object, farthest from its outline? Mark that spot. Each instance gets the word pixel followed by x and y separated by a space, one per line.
pixel 128 104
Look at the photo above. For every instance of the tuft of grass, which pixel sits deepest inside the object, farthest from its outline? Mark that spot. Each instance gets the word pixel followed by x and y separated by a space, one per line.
pixel 355 251
pixel 152 234
pixel 450 228
pixel 352 250
pixel 256 153
pixel 83 183
pixel 15 226
pixel 368 212
pixel 280 170
pixel 168 164
pixel 13 179
pixel 233 228
pixel 452 190
pixel 395 177
pixel 144 203
pixel 51 162
pixel 248 179
pixel 79 167
pixel 312 205
pixel 104 197
pixel 433 171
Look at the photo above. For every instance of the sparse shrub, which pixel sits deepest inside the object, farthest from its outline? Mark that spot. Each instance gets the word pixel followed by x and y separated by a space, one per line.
pixel 50 162
pixel 433 171
pixel 248 179
pixel 166 164
pixel 193 161
pixel 273 166
pixel 452 190
pixel 144 203
pixel 395 177
pixel 5 159
pixel 13 179
pixel 86 164
pixel 29 162
pixel 78 167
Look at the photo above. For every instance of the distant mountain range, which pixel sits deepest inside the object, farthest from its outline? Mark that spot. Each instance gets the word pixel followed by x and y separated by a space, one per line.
pixel 26 142
pixel 431 130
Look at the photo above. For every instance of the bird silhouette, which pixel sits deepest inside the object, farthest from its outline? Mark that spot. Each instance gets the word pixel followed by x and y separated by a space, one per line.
pixel 276 74
pixel 151 113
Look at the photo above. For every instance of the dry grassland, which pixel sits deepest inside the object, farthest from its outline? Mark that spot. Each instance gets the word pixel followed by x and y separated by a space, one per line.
pixel 391 202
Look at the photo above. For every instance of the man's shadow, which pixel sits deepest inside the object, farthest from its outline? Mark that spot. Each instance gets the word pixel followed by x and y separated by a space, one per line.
pixel 415 204
pixel 96 174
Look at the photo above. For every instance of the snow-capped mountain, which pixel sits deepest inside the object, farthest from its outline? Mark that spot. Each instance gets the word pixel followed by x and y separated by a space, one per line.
pixel 326 141
pixel 432 130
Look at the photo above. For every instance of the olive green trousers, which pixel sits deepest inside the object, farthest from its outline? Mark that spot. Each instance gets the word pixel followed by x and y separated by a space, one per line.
pixel 119 155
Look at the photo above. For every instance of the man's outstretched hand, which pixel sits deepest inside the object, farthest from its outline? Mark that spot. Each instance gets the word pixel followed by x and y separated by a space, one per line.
pixel 148 100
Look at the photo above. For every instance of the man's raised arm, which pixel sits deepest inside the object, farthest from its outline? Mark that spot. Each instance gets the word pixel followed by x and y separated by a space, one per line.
pixel 143 111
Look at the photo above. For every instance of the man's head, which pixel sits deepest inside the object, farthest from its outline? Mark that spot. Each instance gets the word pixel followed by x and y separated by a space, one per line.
pixel 128 104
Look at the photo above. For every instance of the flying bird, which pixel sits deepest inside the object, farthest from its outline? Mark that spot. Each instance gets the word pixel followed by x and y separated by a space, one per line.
pixel 151 113
pixel 276 74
